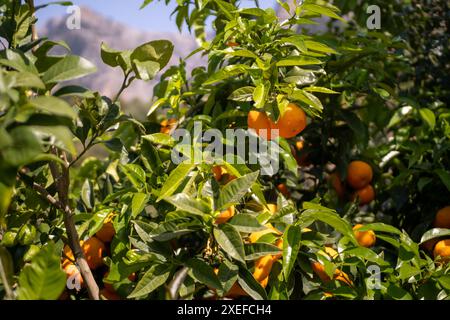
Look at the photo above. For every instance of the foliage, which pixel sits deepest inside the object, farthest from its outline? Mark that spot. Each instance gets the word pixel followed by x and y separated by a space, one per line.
pixel 367 94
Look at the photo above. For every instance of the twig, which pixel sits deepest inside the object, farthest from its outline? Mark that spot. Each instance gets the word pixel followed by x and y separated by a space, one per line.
pixel 124 85
pixel 85 149
pixel 6 286
pixel 177 281
pixel 34 34
pixel 62 180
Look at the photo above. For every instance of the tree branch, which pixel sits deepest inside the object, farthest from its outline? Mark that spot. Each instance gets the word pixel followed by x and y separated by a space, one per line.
pixel 62 180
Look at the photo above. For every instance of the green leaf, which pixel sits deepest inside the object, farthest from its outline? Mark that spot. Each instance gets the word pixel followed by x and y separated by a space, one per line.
pixel 227 72
pixel 244 94
pixel 315 212
pixel 26 79
pixel 69 68
pixel 260 94
pixel 380 227
pixel 160 138
pixel 204 273
pixel 297 41
pixel 138 203
pixel 175 179
pixel 322 10
pixel 135 174
pixel 428 116
pixel 444 281
pixel 230 241
pixel 235 190
pixel 155 277
pixel 62 135
pixel 54 106
pixel 298 61
pixel 159 51
pixel 320 47
pixel 434 233
pixel 246 223
pixel 189 204
pixel 43 278
pixel 398 293
pixel 320 89
pixel 145 70
pixel 444 176
pixel 260 249
pixel 250 285
pixel 6 266
pixel 291 246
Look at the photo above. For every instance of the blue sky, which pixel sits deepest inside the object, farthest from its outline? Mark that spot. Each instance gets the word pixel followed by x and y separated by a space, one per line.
pixel 155 17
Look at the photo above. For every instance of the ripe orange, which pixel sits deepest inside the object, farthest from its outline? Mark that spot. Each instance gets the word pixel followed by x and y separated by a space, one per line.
pixel 108 295
pixel 279 244
pixel 258 234
pixel 225 215
pixel 168 125
pixel 365 238
pixel 336 183
pixel 217 172
pixel 71 270
pixel 261 124
pixel 365 194
pixel 232 44
pixel 442 249
pixel 264 282
pixel 236 291
pixel 339 275
pixel 263 266
pixel 343 277
pixel 284 190
pixel 442 219
pixel 272 208
pixel 107 232
pixel 291 122
pixel 359 174
pixel 93 250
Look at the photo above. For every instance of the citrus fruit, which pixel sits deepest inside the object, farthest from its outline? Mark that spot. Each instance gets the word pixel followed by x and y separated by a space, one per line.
pixel 442 219
pixel 106 232
pixel 365 238
pixel 291 122
pixel 261 124
pixel 442 250
pixel 263 266
pixel 365 195
pixel 225 215
pixel 284 190
pixel 336 183
pixel 74 275
pixel 359 174
pixel 93 251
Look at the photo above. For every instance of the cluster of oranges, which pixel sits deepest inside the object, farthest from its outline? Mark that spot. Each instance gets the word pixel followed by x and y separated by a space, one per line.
pixel 359 178
pixel 94 249
pixel 440 248
pixel 289 124
pixel 365 238
pixel 263 265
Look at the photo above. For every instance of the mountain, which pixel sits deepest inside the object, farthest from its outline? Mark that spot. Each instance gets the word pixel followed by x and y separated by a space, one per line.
pixel 95 29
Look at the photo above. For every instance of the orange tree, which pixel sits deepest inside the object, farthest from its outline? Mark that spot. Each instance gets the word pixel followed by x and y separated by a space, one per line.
pixel 137 225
